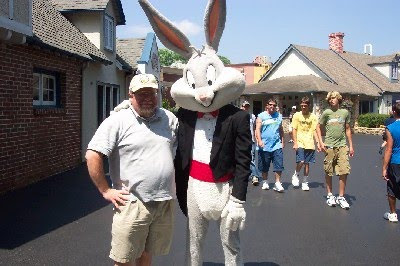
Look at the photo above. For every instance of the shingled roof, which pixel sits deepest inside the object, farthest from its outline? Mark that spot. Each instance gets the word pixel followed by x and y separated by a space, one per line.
pixel 349 70
pixel 91 5
pixel 52 30
pixel 298 84
pixel 130 50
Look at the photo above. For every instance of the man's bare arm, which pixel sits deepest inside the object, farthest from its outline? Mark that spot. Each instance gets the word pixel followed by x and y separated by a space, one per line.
pixel 96 171
pixel 350 140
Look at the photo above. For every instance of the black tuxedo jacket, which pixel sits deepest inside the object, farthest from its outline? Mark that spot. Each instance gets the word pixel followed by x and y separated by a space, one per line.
pixel 230 152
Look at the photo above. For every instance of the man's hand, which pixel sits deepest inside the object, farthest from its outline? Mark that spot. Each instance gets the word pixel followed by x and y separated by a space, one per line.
pixel 351 151
pixel 117 197
pixel 260 144
pixel 295 146
pixel 323 147
pixel 384 175
pixel 318 147
pixel 234 213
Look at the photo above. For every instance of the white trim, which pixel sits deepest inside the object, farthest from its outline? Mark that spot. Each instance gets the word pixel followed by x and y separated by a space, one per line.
pixel 109 32
pixel 15 26
pixel 118 64
pixel 42 102
pixel 11 9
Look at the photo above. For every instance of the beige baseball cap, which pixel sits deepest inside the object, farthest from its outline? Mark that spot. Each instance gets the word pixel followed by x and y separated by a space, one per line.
pixel 143 81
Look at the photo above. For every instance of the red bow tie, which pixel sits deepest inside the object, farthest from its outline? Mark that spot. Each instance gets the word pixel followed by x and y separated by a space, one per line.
pixel 214 114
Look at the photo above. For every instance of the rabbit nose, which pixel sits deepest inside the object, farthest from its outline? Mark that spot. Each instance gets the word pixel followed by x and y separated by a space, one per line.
pixel 203 97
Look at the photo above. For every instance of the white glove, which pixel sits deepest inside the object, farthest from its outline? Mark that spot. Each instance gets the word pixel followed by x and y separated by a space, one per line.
pixel 234 213
pixel 124 105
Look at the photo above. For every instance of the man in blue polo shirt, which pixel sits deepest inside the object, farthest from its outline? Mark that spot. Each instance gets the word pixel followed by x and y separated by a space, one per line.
pixel 391 164
pixel 269 135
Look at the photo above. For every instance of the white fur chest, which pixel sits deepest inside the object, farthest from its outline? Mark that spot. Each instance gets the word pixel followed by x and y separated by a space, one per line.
pixel 210 197
pixel 203 136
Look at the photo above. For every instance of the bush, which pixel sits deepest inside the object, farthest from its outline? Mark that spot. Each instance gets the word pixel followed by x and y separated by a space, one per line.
pixel 371 120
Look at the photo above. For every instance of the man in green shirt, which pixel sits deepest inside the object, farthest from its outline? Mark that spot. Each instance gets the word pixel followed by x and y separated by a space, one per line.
pixel 337 126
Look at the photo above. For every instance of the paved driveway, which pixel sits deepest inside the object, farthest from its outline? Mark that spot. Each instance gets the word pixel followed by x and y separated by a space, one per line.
pixel 64 221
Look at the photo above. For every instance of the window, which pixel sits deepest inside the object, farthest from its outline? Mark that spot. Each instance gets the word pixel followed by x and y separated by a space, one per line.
pixel 394 72
pixel 366 107
pixel 108 33
pixel 45 88
pixel 107 99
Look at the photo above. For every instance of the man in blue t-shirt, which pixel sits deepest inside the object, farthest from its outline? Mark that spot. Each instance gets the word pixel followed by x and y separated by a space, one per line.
pixel 269 136
pixel 391 164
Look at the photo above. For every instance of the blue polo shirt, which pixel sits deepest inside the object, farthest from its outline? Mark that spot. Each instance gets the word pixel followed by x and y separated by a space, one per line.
pixel 270 124
pixel 394 129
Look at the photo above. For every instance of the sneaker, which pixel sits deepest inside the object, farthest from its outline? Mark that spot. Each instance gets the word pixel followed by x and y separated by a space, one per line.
pixel 392 217
pixel 278 187
pixel 290 141
pixel 265 185
pixel 304 186
pixel 255 181
pixel 341 201
pixel 295 180
pixel 331 200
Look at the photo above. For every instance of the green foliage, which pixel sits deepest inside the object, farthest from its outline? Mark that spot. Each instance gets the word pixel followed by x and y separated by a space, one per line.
pixel 371 120
pixel 224 60
pixel 167 57
pixel 167 105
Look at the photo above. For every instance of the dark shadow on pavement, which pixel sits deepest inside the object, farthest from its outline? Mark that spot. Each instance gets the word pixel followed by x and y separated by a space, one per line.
pixel 40 208
pixel 315 184
pixel 246 264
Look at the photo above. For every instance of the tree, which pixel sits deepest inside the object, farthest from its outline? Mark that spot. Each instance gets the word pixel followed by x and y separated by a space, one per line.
pixel 167 57
pixel 224 60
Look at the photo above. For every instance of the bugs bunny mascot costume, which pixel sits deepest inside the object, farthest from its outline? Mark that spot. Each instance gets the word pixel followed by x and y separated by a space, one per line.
pixel 214 142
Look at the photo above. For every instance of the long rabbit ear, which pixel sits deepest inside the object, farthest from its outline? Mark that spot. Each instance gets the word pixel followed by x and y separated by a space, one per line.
pixel 168 33
pixel 214 22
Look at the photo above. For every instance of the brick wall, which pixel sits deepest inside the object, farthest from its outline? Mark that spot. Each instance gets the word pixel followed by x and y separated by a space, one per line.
pixel 37 143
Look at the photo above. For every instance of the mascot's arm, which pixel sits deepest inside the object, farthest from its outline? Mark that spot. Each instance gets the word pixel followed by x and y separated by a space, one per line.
pixel 234 209
pixel 242 157
pixel 181 175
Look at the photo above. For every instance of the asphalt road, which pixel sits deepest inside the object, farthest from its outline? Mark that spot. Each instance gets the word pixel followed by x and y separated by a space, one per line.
pixel 64 221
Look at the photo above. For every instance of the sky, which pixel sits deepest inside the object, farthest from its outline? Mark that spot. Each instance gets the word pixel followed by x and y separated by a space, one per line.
pixel 268 27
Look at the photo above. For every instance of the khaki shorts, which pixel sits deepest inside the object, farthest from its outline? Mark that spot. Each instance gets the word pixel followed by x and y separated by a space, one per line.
pixel 142 226
pixel 337 160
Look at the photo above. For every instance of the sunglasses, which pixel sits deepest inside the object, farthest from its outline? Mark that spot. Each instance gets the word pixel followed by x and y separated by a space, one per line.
pixel 272 104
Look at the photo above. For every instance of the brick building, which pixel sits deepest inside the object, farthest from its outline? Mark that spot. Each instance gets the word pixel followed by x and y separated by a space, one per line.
pixel 40 98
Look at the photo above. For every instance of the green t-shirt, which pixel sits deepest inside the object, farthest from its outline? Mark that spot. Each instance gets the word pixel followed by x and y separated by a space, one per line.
pixel 335 126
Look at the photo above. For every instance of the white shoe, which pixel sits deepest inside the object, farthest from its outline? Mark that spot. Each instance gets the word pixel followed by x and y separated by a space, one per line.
pixel 295 180
pixel 304 186
pixel 342 202
pixel 278 187
pixel 392 217
pixel 331 200
pixel 265 185
pixel 255 181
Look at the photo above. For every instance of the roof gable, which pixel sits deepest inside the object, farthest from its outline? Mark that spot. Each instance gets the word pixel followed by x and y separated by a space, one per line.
pixel 51 29
pixel 130 50
pixel 91 5
pixel 349 70
pixel 290 51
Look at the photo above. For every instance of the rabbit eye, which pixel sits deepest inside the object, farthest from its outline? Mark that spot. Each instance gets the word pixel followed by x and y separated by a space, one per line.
pixel 190 79
pixel 211 73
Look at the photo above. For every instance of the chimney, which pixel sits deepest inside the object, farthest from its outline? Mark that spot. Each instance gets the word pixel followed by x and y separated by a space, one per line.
pixel 336 42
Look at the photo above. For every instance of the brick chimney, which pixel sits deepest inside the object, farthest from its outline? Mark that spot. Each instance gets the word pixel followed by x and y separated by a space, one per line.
pixel 336 42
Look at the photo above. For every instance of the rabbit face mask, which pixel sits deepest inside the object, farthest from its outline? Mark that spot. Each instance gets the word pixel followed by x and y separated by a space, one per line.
pixel 207 84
